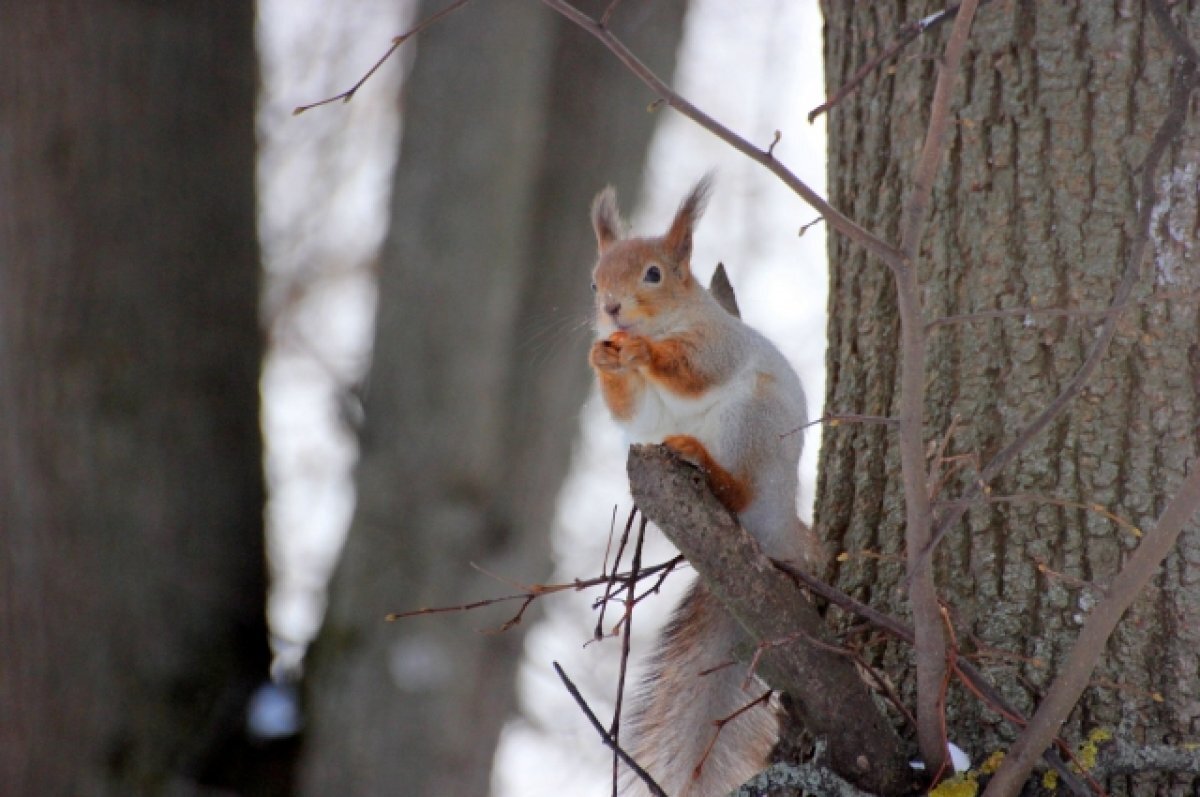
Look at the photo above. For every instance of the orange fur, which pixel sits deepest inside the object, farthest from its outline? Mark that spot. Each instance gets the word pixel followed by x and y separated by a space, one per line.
pixel 731 491
pixel 621 392
pixel 615 361
pixel 672 364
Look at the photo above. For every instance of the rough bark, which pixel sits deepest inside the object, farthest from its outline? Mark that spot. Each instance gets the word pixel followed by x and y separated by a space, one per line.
pixel 131 555
pixel 1035 208
pixel 513 119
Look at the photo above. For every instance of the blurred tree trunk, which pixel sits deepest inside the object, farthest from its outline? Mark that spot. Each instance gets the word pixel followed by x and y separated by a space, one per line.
pixel 513 120
pixel 1035 206
pixel 131 553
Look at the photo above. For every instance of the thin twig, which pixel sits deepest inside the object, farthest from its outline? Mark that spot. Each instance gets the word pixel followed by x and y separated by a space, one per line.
pixel 806 227
pixel 930 647
pixel 535 591
pixel 349 93
pixel 721 723
pixel 837 220
pixel 626 639
pixel 608 12
pixel 774 143
pixel 610 589
pixel 838 419
pixel 612 529
pixel 669 567
pixel 654 788
pixel 904 36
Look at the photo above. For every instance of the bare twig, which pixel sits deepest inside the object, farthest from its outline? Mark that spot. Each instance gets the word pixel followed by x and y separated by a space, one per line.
pixel 668 568
pixel 654 788
pixel 626 638
pixel 930 644
pixel 774 143
pixel 806 227
pixel 534 591
pixel 838 419
pixel 837 220
pixel 349 93
pixel 903 38
pixel 1167 27
pixel 721 723
pixel 610 589
pixel 612 529
pixel 608 12
pixel 527 597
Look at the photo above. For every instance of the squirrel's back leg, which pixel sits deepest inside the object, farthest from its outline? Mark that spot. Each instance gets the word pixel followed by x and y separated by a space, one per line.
pixel 731 490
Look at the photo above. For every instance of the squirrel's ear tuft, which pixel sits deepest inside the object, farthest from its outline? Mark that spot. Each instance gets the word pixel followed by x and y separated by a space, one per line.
pixel 606 219
pixel 679 237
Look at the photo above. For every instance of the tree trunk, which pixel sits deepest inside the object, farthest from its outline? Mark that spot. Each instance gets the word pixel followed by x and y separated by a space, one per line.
pixel 1035 206
pixel 473 396
pixel 131 553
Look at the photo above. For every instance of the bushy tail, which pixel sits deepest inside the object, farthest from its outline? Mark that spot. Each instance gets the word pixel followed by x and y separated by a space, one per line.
pixel 672 722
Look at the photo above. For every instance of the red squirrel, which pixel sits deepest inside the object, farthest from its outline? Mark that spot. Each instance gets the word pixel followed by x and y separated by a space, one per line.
pixel 675 367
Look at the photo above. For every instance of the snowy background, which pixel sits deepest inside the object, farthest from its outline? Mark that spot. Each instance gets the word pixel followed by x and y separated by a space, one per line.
pixel 324 179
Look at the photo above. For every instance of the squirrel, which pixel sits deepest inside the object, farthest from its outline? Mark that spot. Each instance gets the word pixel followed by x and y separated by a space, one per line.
pixel 675 367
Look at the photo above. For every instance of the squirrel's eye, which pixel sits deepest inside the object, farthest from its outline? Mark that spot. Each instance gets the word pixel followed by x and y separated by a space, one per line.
pixel 652 274
pixel 593 287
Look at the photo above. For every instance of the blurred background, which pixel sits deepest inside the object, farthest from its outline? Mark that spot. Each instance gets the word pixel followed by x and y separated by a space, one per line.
pixel 415 314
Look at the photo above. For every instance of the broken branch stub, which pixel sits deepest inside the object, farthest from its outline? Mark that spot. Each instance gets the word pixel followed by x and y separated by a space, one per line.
pixel 830 699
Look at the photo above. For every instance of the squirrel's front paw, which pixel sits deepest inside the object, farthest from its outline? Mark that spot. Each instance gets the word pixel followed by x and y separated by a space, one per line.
pixel 605 356
pixel 619 351
pixel 634 351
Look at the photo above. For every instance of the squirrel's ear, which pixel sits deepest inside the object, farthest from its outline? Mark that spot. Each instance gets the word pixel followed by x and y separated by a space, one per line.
pixel 679 237
pixel 606 219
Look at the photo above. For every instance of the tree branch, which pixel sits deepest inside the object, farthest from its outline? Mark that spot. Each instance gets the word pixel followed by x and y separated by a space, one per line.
pixel 838 221
pixel 903 37
pixel 654 788
pixel 349 93
pixel 833 701
pixel 922 592
pixel 970 676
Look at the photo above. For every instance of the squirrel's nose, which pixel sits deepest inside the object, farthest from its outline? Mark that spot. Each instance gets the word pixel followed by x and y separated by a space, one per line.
pixel 612 308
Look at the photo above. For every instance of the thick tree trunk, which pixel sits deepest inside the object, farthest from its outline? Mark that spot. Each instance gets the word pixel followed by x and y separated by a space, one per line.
pixel 513 120
pixel 1035 207
pixel 131 554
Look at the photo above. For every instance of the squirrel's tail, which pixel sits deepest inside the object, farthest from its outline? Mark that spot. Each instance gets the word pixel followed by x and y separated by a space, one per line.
pixel 685 692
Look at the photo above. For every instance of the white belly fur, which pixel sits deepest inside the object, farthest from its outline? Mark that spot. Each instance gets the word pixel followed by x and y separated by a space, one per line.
pixel 661 413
